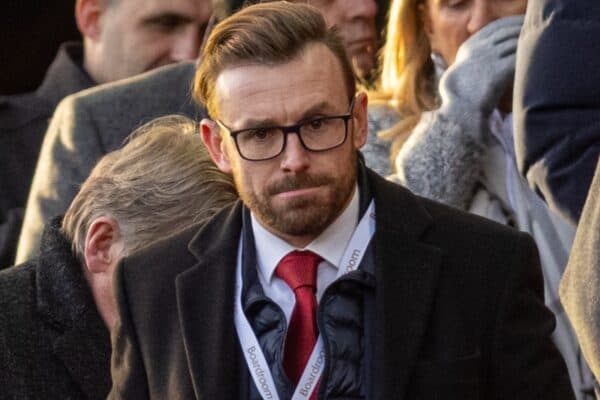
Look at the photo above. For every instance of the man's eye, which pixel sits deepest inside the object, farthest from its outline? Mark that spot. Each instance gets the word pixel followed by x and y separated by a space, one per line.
pixel 167 22
pixel 260 133
pixel 316 124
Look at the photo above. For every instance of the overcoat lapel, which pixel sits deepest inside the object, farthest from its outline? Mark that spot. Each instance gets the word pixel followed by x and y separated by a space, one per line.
pixel 205 303
pixel 407 273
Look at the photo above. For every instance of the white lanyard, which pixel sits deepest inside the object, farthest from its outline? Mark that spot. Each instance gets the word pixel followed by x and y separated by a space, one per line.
pixel 255 359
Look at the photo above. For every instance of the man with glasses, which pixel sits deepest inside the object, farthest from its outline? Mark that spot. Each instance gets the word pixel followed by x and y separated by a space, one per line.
pixel 324 281
pixel 89 124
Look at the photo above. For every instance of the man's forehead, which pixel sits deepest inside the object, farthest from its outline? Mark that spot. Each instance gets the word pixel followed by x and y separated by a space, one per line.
pixel 312 78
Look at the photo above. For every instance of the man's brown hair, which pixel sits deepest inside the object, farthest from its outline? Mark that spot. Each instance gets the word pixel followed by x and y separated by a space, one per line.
pixel 268 34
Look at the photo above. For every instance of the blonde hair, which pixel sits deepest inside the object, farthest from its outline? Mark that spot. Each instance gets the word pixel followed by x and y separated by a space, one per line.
pixel 268 34
pixel 407 76
pixel 161 181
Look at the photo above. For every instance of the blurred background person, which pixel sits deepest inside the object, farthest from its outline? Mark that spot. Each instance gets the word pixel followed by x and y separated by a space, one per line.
pixel 121 38
pixel 57 310
pixel 448 71
pixel 557 140
pixel 355 20
pixel 557 106
pixel 89 124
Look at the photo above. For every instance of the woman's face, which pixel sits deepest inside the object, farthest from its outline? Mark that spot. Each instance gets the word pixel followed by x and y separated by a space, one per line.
pixel 448 23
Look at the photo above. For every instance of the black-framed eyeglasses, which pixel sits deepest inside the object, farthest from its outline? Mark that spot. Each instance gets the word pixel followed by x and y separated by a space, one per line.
pixel 315 134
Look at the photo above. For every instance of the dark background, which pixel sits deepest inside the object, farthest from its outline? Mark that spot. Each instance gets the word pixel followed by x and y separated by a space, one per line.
pixel 31 31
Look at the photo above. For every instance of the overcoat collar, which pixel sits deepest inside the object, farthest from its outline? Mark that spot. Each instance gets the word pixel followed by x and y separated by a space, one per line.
pixel 65 75
pixel 65 302
pixel 406 278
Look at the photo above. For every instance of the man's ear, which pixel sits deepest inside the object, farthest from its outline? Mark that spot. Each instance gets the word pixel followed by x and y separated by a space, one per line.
pixel 103 245
pixel 211 136
pixel 360 120
pixel 88 15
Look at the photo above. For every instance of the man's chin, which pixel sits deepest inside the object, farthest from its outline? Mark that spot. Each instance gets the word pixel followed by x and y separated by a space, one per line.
pixel 296 220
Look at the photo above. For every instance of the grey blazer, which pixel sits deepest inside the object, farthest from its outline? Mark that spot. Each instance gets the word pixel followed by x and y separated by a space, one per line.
pixel 88 125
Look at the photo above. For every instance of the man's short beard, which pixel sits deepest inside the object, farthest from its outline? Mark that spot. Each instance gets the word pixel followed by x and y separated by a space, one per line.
pixel 301 217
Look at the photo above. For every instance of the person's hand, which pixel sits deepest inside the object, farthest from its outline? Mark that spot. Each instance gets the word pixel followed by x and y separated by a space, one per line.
pixel 482 70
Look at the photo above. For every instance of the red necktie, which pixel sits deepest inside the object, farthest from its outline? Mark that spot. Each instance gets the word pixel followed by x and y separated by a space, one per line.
pixel 299 270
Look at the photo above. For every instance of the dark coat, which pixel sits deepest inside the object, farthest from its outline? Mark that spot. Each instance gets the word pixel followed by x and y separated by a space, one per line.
pixel 90 124
pixel 556 101
pixel 459 310
pixel 53 343
pixel 23 122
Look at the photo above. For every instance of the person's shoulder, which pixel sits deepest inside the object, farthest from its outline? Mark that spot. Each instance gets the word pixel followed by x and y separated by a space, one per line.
pixel 471 247
pixel 158 83
pixel 17 295
pixel 447 227
pixel 113 110
pixel 547 13
pixel 25 336
pixel 100 118
pixel 20 111
pixel 16 278
pixel 163 260
pixel 471 242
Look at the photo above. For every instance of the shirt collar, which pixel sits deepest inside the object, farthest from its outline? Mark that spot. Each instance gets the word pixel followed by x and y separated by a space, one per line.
pixel 330 244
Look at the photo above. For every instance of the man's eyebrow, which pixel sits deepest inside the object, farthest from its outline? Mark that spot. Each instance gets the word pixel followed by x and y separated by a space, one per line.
pixel 171 17
pixel 320 108
pixel 257 123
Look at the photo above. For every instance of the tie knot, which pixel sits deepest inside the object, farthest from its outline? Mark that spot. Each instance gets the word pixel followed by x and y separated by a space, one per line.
pixel 299 269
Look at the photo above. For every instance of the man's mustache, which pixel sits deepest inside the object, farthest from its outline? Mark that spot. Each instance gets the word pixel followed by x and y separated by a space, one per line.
pixel 295 182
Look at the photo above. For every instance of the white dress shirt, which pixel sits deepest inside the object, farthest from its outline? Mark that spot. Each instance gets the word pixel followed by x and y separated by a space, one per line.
pixel 330 245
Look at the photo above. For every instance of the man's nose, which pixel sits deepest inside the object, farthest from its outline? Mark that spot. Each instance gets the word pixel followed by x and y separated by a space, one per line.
pixel 294 157
pixel 361 8
pixel 482 14
pixel 186 45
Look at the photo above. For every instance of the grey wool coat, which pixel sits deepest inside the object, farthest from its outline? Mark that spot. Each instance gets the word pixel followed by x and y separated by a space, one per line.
pixel 53 343
pixel 90 124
